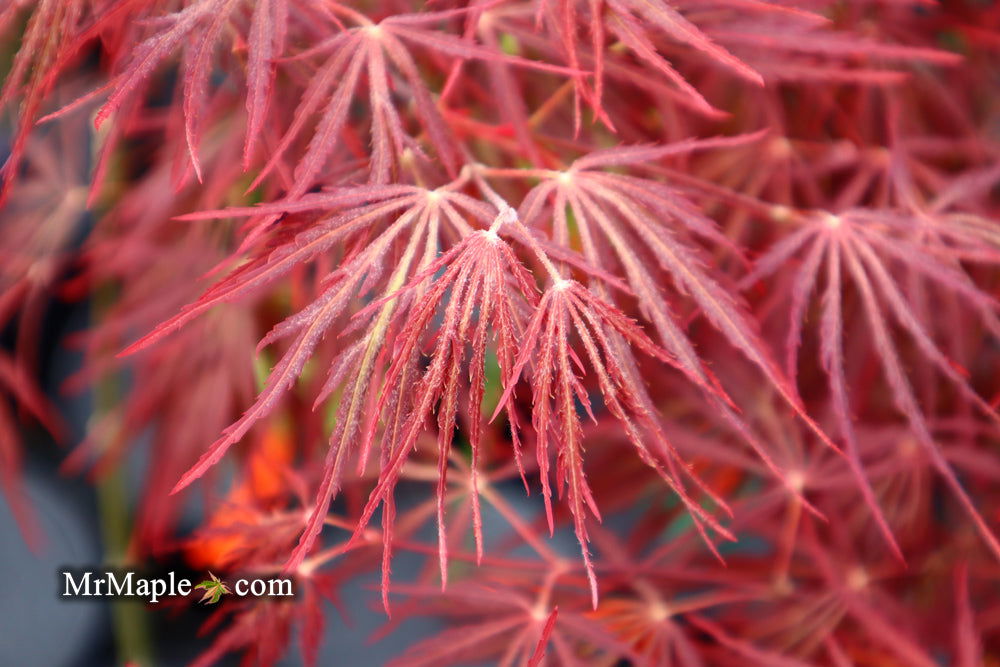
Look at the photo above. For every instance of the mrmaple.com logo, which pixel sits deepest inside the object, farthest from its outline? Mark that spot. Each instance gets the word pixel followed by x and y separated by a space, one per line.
pixel 84 583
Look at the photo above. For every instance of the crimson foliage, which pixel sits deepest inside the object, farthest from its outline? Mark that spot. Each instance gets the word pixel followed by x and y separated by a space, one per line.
pixel 721 268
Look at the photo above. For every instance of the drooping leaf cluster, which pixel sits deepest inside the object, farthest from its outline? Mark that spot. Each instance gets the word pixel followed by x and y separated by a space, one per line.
pixel 712 284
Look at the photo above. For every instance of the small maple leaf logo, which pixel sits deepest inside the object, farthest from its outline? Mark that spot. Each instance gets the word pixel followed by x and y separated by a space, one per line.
pixel 214 589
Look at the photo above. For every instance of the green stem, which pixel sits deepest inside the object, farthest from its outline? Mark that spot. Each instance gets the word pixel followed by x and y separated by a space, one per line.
pixel 129 621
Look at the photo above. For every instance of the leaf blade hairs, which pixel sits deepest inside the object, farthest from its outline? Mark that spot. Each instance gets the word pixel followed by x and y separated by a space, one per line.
pixel 486 286
pixel 569 310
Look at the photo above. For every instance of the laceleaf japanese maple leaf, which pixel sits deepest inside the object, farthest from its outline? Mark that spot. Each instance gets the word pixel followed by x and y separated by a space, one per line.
pixel 508 625
pixel 657 612
pixel 799 46
pixel 871 247
pixel 350 213
pixel 373 222
pixel 611 210
pixel 636 25
pixel 196 30
pixel 488 290
pixel 758 42
pixel 901 472
pixel 835 587
pixel 378 54
pixel 568 311
pixel 631 220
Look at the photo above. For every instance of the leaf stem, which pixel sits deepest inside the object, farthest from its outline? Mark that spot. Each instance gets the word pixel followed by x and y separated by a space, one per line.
pixel 507 213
